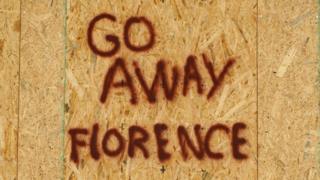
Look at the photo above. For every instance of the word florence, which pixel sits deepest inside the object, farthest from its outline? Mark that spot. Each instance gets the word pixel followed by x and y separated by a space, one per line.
pixel 191 72
pixel 138 138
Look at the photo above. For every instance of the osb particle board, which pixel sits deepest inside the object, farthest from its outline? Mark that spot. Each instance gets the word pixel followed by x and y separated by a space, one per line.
pixel 55 31
pixel 41 90
pixel 288 90
pixel 9 69
pixel 221 29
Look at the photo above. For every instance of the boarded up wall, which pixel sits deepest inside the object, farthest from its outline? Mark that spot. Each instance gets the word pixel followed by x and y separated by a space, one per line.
pixel 272 88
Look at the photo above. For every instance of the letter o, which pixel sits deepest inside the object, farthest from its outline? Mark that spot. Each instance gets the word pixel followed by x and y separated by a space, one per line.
pixel 112 38
pixel 148 24
pixel 106 137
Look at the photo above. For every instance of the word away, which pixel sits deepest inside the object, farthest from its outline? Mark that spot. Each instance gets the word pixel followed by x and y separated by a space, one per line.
pixel 138 138
pixel 191 74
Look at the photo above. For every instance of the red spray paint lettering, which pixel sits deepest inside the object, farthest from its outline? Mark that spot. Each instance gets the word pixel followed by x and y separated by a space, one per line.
pixel 139 137
pixel 191 76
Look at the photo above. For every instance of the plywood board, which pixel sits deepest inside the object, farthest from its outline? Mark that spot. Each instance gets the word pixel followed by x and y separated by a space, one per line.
pixel 41 90
pixel 288 90
pixel 9 80
pixel 219 29
pixel 64 97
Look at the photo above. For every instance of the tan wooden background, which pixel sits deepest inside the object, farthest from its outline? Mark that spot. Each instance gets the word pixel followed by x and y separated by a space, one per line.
pixel 46 65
